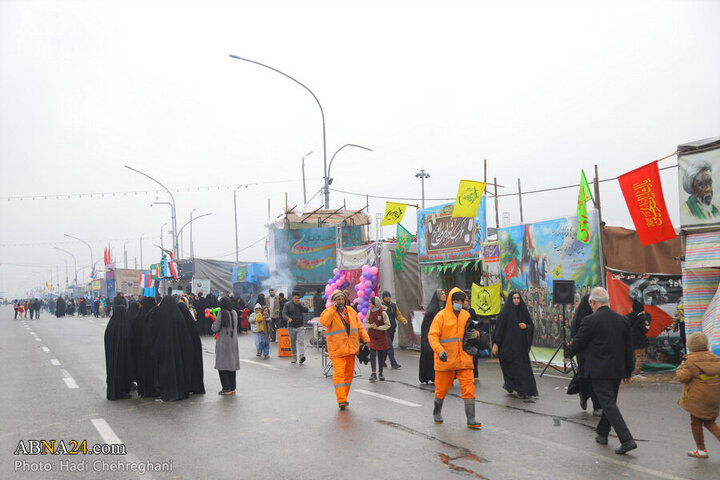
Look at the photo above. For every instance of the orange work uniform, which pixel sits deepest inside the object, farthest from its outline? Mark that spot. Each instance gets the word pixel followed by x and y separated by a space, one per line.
pixel 343 344
pixel 446 335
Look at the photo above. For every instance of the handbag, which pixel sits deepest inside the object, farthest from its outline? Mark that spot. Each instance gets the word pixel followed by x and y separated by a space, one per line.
pixel 576 384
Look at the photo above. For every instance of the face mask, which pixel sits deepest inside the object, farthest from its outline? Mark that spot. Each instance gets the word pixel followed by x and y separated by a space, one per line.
pixel 457 306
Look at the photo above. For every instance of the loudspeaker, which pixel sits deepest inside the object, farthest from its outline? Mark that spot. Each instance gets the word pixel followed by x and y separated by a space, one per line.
pixel 564 291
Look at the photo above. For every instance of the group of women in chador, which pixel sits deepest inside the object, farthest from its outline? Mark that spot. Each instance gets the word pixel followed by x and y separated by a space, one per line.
pixel 155 346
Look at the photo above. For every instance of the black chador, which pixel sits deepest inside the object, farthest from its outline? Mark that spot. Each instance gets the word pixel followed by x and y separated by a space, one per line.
pixel 192 351
pixel 514 347
pixel 60 307
pixel 118 354
pixel 426 371
pixel 145 360
pixel 167 323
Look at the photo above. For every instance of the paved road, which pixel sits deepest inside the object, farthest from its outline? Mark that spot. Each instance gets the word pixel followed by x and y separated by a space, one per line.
pixel 284 422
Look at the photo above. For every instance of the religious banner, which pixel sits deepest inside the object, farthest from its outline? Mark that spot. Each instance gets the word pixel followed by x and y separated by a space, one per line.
pixel 201 285
pixel 404 238
pixel 486 300
pixel 533 255
pixel 660 293
pixel 644 197
pixel 239 273
pixel 583 229
pixel 393 213
pixel 444 238
pixel 310 253
pixel 698 171
pixel 491 252
pixel 468 198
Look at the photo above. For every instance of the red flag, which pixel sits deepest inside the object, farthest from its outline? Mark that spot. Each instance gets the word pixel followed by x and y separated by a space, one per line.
pixel 105 256
pixel 620 302
pixel 511 270
pixel 644 197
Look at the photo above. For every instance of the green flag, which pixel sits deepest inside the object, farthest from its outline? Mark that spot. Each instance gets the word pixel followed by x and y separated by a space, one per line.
pixel 403 245
pixel 585 194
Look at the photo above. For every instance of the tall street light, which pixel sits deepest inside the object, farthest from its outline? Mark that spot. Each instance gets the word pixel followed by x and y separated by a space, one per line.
pixel 190 223
pixel 322 114
pixel 422 175
pixel 92 263
pixel 175 251
pixel 329 180
pixel 174 224
pixel 74 260
pixel 303 172
pixel 237 251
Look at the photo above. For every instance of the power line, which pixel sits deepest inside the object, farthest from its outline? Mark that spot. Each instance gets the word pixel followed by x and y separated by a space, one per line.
pixel 242 249
pixel 67 196
pixel 543 190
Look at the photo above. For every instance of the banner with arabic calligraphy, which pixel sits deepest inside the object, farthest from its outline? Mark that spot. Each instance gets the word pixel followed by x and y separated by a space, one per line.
pixel 550 250
pixel 309 253
pixel 444 238
pixel 644 197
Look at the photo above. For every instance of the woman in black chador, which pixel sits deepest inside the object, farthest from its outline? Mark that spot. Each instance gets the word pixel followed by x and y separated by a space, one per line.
pixel 167 324
pixel 426 371
pixel 512 339
pixel 143 350
pixel 192 351
pixel 60 307
pixel 118 353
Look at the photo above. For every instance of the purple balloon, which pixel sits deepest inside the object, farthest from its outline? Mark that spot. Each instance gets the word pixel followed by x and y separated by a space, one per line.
pixel 368 283
pixel 374 278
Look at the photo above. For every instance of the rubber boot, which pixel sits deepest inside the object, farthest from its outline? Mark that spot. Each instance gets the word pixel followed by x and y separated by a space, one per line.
pixel 437 408
pixel 470 414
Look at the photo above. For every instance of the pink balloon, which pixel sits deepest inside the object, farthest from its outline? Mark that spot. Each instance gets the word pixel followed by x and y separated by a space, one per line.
pixel 368 283
pixel 374 270
pixel 361 293
pixel 365 268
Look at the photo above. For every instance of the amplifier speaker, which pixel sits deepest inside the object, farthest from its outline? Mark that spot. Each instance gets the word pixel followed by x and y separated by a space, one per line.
pixel 564 291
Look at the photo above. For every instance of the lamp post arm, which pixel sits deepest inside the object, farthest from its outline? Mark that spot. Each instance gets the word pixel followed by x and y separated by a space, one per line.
pixel 194 218
pixel 338 151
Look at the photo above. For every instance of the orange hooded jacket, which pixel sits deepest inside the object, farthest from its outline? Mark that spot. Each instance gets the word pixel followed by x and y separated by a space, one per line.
pixel 446 335
pixel 339 343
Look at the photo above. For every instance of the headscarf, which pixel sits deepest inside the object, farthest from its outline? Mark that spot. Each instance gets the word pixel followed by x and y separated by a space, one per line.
pixel 583 310
pixel 225 315
pixel 519 313
pixel 637 307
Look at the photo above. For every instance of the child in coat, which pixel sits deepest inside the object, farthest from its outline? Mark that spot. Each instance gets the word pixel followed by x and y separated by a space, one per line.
pixel 700 374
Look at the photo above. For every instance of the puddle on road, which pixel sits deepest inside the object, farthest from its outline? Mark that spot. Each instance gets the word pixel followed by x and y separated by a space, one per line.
pixel 448 460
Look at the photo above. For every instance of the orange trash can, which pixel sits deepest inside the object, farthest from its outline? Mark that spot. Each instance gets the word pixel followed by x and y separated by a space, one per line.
pixel 283 339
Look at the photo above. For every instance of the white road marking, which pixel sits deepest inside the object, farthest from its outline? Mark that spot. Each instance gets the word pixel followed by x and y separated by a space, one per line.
pixel 385 397
pixel 46 349
pixel 38 339
pixel 105 431
pixel 258 363
pixel 55 361
pixel 580 451
pixel 69 381
pixel 33 334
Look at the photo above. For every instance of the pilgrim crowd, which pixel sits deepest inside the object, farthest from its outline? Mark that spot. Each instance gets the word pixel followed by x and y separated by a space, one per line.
pixel 154 346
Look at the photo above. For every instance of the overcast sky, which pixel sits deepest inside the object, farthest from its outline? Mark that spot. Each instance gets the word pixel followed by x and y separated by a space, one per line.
pixel 540 89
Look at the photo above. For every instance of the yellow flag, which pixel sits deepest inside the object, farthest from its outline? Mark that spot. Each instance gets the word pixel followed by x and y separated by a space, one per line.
pixel 393 213
pixel 486 300
pixel 468 198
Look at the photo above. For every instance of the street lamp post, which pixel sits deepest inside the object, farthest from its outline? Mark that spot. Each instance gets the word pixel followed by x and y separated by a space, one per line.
pixel 92 263
pixel 191 242
pixel 303 174
pixel 329 180
pixel 176 252
pixel 174 223
pixel 141 259
pixel 190 223
pixel 322 114
pixel 74 260
pixel 237 251
pixel 422 175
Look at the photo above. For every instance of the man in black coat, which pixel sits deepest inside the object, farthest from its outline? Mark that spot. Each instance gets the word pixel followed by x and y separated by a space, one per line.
pixel 604 340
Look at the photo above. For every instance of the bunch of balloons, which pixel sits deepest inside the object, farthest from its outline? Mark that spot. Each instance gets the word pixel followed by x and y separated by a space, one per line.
pixel 339 281
pixel 365 289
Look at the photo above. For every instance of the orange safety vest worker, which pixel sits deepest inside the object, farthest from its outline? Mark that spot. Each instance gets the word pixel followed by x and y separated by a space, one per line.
pixel 343 331
pixel 451 361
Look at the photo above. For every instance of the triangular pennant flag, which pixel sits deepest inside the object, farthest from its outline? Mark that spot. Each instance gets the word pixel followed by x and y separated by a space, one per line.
pixel 583 227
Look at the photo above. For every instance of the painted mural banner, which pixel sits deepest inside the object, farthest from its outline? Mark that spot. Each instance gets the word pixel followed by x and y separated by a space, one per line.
pixel 444 238
pixel 537 254
pixel 660 293
pixel 310 253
